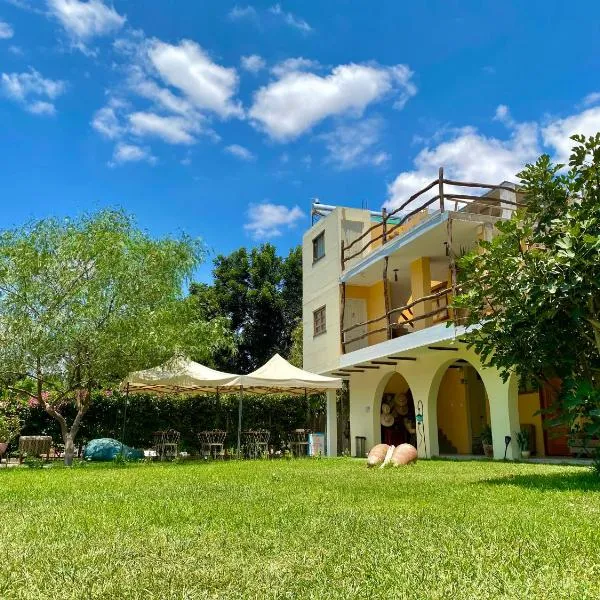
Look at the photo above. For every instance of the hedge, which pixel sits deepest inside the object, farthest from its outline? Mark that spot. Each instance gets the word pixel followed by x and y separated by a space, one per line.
pixel 188 415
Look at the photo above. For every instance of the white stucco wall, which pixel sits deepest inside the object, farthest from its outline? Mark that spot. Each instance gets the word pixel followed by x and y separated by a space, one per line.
pixel 424 376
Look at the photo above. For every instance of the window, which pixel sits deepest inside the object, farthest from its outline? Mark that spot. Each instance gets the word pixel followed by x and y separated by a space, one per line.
pixel 320 325
pixel 319 247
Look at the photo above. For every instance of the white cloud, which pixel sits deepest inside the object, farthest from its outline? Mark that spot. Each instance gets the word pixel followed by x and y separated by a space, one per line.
pixel 558 132
pixel 32 90
pixel 6 31
pixel 294 64
pixel 290 19
pixel 297 101
pixel 468 156
pixel 125 153
pixel 106 122
pixel 503 115
pixel 242 12
pixel 268 220
pixel 355 144
pixel 592 98
pixel 42 108
pixel 206 84
pixel 16 50
pixel 253 63
pixel 85 20
pixel 240 152
pixel 172 129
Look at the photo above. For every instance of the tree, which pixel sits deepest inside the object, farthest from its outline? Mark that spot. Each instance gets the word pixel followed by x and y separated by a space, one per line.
pixel 83 302
pixel 260 294
pixel 533 291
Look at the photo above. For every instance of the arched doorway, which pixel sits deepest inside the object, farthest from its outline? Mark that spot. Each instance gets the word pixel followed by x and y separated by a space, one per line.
pixel 463 410
pixel 397 413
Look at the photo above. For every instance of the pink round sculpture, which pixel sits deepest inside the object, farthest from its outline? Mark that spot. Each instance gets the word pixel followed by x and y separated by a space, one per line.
pixel 377 455
pixel 404 454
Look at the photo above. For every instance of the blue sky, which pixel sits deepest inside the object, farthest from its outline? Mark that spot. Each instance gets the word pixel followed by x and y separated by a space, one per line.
pixel 224 119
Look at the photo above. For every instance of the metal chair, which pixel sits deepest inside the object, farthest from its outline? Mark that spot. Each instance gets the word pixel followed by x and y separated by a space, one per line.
pixel 299 442
pixel 256 442
pixel 212 443
pixel 166 443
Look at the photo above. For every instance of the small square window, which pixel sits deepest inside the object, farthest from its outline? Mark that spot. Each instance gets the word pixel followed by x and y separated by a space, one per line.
pixel 320 326
pixel 319 247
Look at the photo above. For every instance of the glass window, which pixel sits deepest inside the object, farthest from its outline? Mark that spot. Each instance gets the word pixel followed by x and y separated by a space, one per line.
pixel 319 247
pixel 320 325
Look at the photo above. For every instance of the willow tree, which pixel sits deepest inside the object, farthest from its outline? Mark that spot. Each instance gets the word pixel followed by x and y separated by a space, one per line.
pixel 85 301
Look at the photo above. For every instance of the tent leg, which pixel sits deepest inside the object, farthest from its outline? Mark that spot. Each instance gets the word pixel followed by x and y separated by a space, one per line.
pixel 239 432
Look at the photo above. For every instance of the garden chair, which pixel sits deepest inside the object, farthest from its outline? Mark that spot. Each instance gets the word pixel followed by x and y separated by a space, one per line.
pixel 256 443
pixel 212 443
pixel 299 442
pixel 166 443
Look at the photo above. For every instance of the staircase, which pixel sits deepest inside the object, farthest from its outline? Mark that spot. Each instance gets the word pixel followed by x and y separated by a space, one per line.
pixel 445 445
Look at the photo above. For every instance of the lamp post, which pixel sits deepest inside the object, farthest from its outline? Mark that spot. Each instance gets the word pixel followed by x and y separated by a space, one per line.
pixel 507 440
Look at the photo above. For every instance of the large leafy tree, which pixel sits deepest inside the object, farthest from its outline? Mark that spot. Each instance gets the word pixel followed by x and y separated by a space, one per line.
pixel 260 293
pixel 85 301
pixel 533 291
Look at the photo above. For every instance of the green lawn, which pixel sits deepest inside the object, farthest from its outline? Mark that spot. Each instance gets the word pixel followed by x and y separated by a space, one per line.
pixel 300 529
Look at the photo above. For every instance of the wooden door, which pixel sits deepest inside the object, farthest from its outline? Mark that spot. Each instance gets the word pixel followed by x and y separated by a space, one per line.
pixel 556 439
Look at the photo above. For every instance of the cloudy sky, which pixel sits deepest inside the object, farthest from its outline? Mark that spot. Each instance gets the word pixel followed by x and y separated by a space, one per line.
pixel 224 119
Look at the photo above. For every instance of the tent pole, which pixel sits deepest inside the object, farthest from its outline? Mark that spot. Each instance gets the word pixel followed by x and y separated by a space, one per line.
pixel 124 417
pixel 239 437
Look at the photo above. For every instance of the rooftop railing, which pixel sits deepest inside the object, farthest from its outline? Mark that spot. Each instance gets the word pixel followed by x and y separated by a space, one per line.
pixel 392 221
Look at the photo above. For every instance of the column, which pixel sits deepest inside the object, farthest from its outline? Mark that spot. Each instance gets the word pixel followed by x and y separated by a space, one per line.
pixel 420 283
pixel 504 413
pixel 331 423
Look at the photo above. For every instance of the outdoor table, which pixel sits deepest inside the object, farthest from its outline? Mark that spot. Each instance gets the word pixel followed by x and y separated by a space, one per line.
pixel 212 443
pixel 166 443
pixel 299 442
pixel 256 442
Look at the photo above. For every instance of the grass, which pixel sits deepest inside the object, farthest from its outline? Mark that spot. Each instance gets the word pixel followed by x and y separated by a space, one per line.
pixel 300 529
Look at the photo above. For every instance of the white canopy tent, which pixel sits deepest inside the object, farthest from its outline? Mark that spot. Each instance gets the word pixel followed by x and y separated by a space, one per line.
pixel 278 375
pixel 179 375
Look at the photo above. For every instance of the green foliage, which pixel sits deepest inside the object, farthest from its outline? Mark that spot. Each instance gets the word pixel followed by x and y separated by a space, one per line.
pixel 533 291
pixel 296 351
pixel 535 288
pixel 85 301
pixel 486 435
pixel 301 528
pixel 10 418
pixel 522 440
pixel 146 414
pixel 260 296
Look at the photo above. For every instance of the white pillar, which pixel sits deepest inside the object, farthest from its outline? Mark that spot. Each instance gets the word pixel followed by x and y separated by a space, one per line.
pixel 332 449
pixel 504 412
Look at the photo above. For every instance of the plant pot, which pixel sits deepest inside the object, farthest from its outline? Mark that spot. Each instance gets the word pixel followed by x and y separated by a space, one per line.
pixel 525 453
pixel 488 450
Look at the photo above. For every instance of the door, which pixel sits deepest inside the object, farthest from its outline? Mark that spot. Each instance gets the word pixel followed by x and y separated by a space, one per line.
pixel 556 439
pixel 356 312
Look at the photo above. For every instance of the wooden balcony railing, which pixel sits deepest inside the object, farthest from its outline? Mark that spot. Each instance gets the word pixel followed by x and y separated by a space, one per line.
pixel 416 204
pixel 406 318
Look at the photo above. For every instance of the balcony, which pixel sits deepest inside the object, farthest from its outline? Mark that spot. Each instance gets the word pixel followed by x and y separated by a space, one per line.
pixel 399 276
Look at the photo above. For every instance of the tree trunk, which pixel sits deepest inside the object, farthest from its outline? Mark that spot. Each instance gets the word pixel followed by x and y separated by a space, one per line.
pixel 69 450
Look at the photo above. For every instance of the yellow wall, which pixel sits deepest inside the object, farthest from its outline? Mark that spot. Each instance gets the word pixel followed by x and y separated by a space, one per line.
pixel 528 405
pixel 453 411
pixel 375 307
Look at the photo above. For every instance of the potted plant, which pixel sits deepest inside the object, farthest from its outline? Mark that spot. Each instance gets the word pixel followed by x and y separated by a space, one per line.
pixel 486 441
pixel 523 441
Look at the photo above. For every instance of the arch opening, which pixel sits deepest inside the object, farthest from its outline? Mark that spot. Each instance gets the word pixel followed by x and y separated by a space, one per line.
pixel 463 411
pixel 397 422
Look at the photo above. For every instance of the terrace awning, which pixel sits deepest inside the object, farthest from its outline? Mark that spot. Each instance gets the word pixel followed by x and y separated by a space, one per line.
pixel 179 375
